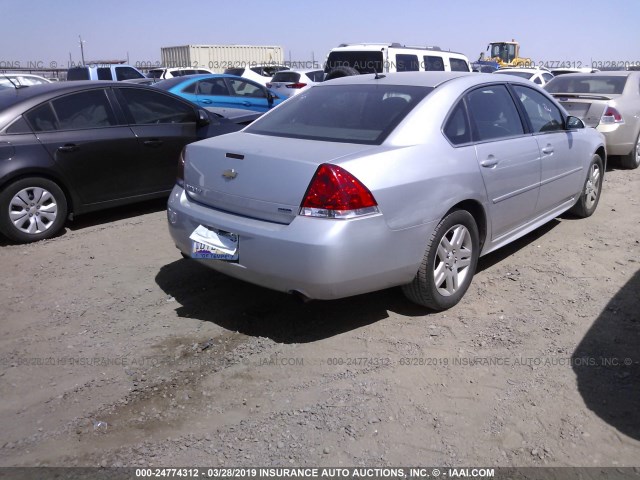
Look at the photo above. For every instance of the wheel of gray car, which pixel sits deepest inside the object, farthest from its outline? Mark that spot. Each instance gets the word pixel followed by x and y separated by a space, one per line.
pixel 340 72
pixel 449 263
pixel 32 209
pixel 632 160
pixel 590 196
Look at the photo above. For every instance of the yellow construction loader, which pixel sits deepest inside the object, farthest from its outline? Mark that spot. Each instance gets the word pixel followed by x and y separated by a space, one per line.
pixel 505 54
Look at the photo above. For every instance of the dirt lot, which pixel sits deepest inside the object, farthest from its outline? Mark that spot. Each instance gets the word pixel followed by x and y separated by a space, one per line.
pixel 115 351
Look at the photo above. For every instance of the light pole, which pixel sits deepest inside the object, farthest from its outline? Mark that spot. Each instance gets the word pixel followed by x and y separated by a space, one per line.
pixel 81 48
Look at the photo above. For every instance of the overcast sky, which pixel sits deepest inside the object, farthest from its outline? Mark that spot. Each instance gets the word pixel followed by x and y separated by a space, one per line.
pixel 548 30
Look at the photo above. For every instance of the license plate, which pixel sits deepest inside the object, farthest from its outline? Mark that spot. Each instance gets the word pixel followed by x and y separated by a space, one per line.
pixel 208 243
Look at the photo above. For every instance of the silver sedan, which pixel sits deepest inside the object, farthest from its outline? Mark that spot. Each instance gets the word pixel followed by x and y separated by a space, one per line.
pixel 373 181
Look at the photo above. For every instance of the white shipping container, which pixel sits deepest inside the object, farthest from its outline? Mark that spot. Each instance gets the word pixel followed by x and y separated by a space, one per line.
pixel 220 57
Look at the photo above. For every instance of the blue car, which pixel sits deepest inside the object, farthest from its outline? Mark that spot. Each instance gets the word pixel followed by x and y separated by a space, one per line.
pixel 222 91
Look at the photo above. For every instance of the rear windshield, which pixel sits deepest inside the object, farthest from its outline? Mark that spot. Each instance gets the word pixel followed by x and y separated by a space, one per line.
pixel 155 73
pixel 342 113
pixel 363 61
pixel 235 71
pixel 525 75
pixel 587 84
pixel 286 77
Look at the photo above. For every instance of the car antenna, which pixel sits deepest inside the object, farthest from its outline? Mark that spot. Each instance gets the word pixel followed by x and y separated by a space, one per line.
pixel 14 85
pixel 378 76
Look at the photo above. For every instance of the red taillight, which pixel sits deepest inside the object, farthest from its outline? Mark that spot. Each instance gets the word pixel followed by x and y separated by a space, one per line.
pixel 611 115
pixel 268 85
pixel 180 171
pixel 335 193
pixel 297 85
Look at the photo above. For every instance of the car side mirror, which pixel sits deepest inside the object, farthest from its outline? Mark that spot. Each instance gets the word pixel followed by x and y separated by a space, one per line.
pixel 203 118
pixel 574 123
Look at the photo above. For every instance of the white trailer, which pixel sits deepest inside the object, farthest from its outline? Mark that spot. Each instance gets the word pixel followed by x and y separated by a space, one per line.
pixel 220 57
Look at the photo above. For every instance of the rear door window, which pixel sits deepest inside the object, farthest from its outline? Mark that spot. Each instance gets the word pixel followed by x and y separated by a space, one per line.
pixel 212 87
pixel 433 63
pixel 89 109
pixel 493 113
pixel 127 73
pixel 104 73
pixel 458 65
pixel 407 63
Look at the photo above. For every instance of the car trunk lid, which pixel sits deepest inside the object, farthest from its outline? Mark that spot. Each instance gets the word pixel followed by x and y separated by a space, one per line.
pixel 258 176
pixel 588 107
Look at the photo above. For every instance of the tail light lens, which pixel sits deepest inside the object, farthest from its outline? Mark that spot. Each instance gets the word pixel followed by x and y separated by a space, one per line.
pixel 335 193
pixel 180 170
pixel 297 85
pixel 611 115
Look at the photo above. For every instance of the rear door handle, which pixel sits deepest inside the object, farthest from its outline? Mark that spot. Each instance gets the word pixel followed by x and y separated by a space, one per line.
pixel 205 101
pixel 153 143
pixel 69 147
pixel 490 162
pixel 547 150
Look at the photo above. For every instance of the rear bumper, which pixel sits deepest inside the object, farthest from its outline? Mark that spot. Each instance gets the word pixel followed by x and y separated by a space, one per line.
pixel 319 258
pixel 620 138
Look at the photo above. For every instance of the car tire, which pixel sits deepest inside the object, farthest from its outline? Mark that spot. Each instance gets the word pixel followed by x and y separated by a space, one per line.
pixel 32 209
pixel 432 286
pixel 591 190
pixel 340 72
pixel 631 161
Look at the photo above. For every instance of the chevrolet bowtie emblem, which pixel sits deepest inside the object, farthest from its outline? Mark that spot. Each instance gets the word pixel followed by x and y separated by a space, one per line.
pixel 230 174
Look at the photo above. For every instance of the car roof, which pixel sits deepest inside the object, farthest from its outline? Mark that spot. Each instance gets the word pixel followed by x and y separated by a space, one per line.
pixel 425 79
pixel 606 73
pixel 524 70
pixel 303 70
pixel 25 98
pixel 12 96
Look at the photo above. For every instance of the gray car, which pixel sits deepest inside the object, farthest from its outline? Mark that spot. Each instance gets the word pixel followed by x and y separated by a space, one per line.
pixel 373 181
pixel 609 102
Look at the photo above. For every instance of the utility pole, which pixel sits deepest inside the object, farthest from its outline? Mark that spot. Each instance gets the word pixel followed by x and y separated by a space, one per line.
pixel 81 48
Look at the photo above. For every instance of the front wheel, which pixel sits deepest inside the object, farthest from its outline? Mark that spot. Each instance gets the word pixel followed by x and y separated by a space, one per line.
pixel 32 209
pixel 449 263
pixel 590 195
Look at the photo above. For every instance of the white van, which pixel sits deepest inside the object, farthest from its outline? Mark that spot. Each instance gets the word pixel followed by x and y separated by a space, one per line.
pixel 355 58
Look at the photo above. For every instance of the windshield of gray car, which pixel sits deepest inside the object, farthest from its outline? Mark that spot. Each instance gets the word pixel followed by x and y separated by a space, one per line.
pixel 342 113
pixel 603 85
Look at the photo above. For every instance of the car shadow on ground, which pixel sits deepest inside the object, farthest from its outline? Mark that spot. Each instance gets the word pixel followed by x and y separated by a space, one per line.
pixel 102 217
pixel 124 212
pixel 234 305
pixel 505 252
pixel 255 311
pixel 607 361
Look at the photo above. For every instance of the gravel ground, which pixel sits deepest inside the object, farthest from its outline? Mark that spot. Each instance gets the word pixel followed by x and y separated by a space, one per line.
pixel 115 351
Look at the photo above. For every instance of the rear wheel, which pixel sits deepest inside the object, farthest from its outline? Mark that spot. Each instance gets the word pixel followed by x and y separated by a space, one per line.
pixel 449 263
pixel 32 209
pixel 590 196
pixel 632 160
